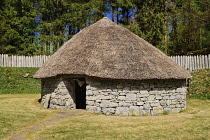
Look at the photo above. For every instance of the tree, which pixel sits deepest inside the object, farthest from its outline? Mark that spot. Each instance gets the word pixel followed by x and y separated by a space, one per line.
pixel 17 27
pixel 189 27
pixel 149 22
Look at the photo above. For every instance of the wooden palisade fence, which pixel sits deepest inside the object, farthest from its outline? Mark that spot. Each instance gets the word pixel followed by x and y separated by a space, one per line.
pixel 187 62
pixel 192 62
pixel 22 61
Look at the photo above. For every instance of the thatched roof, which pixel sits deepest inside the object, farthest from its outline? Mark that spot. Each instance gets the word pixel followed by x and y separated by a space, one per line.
pixel 108 50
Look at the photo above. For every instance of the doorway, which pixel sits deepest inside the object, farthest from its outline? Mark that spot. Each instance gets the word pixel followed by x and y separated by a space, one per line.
pixel 80 93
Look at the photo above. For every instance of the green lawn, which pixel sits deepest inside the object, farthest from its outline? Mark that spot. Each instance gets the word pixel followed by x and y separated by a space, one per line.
pixel 15 80
pixel 200 84
pixel 20 112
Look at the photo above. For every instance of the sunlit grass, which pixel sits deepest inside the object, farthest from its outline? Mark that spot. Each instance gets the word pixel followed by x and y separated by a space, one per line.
pixel 21 112
pixel 190 124
pixel 18 111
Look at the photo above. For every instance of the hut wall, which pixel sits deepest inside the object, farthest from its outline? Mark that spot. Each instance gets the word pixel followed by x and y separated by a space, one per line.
pixel 58 93
pixel 115 97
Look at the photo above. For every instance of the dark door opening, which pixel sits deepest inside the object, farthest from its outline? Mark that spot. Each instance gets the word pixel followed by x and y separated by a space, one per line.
pixel 80 93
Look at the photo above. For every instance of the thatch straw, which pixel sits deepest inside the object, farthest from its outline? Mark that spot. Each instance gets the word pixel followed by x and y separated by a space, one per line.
pixel 108 50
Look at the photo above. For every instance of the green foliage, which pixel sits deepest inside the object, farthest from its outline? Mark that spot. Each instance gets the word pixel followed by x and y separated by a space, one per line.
pixel 18 80
pixel 31 27
pixel 17 27
pixel 151 19
pixel 165 112
pixel 61 19
pixel 189 21
pixel 200 85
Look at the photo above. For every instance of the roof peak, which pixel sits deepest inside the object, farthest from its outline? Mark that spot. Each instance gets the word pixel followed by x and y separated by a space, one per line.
pixel 105 21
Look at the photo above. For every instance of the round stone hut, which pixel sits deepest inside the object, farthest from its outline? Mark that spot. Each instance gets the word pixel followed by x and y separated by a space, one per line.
pixel 106 68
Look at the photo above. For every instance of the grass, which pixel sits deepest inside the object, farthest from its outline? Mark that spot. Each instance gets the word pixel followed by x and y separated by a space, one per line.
pixel 200 84
pixel 22 111
pixel 12 81
pixel 19 111
pixel 191 124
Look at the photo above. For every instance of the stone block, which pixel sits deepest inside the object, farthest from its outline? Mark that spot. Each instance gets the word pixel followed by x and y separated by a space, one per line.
pixel 115 93
pixel 104 103
pixel 90 103
pixel 94 88
pixel 178 106
pixel 98 101
pixel 88 87
pixel 140 103
pixel 144 112
pixel 144 92
pixel 64 90
pixel 168 102
pixel 174 102
pixel 172 97
pixel 103 97
pixel 89 92
pixel 47 101
pixel 154 92
pixel 108 90
pixel 166 97
pixel 108 111
pixel 93 109
pixel 113 104
pixel 151 98
pixel 163 103
pixel 144 99
pixel 107 103
pixel 91 98
pixel 167 109
pixel 155 104
pixel 130 97
pixel 122 111
pixel 184 96
pixel 122 93
pixel 69 102
pixel 143 95
pixel 158 97
pixel 124 104
pixel 134 111
pixel 147 106
pixel 62 102
pixel 181 90
pixel 157 110
pixel 95 92
pixel 171 91
pixel 119 91
pixel 178 96
pixel 53 95
pixel 126 89
pixel 121 98
pixel 176 110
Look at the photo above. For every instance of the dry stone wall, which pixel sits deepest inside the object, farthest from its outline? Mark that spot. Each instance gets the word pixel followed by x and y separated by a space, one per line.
pixel 58 93
pixel 115 97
